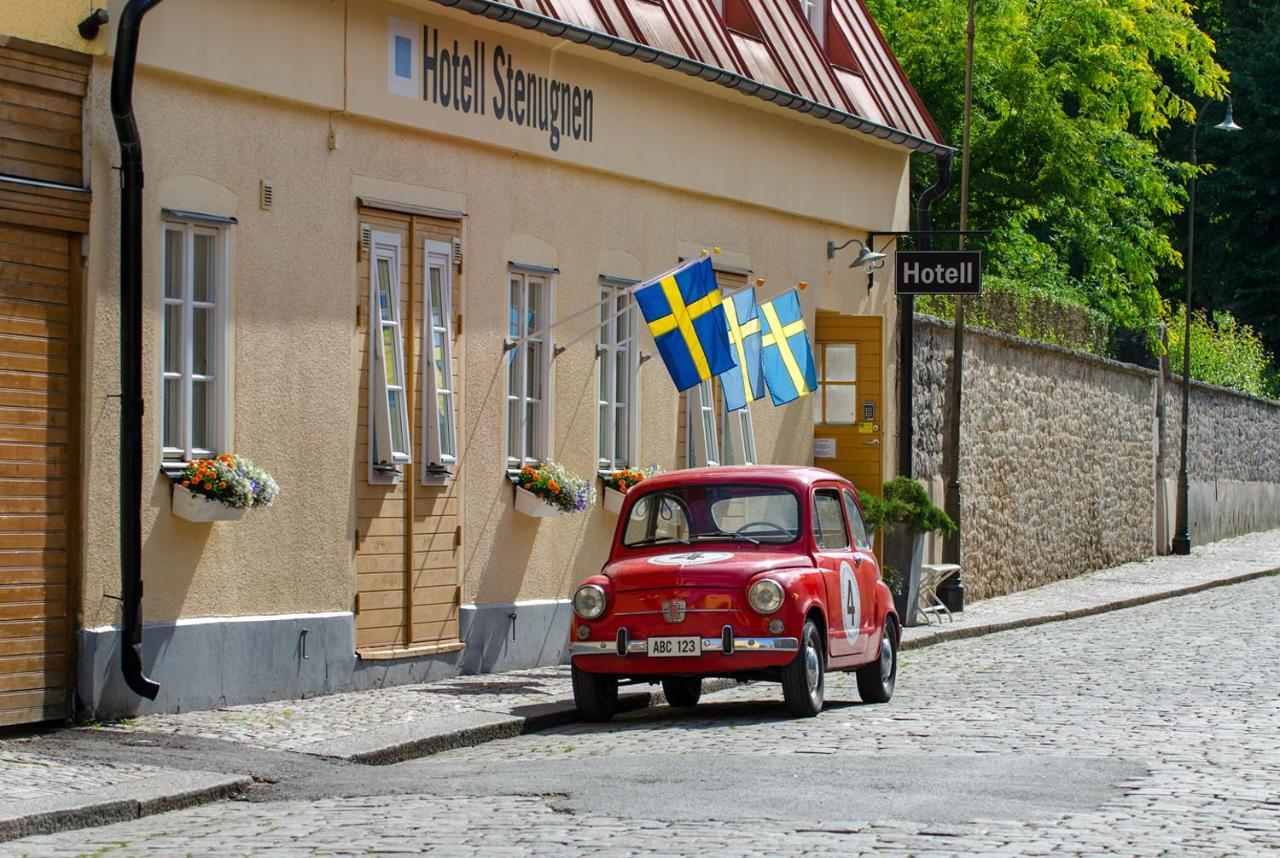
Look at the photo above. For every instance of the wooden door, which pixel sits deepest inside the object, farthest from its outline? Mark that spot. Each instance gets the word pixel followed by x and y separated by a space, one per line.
pixel 37 459
pixel 408 534
pixel 848 406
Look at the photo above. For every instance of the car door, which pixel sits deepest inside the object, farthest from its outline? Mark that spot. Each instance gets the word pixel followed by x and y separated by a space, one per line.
pixel 866 570
pixel 832 551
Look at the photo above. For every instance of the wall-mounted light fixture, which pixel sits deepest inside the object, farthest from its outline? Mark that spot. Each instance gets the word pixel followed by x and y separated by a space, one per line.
pixel 90 26
pixel 867 257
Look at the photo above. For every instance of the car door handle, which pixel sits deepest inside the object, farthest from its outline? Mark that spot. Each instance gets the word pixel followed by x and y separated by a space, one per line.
pixel 874 442
pixel 857 561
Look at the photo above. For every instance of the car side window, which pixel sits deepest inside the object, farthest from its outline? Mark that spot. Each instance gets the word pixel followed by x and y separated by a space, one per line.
pixel 856 524
pixel 828 522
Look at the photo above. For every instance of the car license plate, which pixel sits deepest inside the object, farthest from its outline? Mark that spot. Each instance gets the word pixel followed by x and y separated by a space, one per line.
pixel 668 647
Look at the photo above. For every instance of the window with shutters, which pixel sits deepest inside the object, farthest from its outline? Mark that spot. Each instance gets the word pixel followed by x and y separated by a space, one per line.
pixel 388 410
pixel 194 393
pixel 439 414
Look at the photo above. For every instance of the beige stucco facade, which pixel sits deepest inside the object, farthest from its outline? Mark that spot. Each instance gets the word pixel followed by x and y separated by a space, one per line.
pixel 296 92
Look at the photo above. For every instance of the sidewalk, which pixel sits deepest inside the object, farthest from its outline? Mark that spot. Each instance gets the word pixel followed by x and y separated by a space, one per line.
pixel 393 724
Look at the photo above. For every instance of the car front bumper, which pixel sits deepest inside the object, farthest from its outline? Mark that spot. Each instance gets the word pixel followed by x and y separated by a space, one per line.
pixel 725 644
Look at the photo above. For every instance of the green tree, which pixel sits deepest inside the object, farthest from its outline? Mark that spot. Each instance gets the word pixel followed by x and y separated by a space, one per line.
pixel 1237 256
pixel 1070 97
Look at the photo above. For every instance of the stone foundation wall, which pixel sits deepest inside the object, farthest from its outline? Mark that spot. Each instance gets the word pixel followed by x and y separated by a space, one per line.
pixel 1058 464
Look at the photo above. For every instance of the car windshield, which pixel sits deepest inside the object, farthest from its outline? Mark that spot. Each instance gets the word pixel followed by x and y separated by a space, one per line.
pixel 714 513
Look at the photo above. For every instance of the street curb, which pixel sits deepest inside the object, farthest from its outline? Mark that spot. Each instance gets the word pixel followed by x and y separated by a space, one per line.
pixel 135 799
pixel 942 635
pixel 468 729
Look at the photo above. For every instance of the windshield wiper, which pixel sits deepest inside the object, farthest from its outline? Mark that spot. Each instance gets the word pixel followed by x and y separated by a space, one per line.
pixel 730 536
pixel 655 540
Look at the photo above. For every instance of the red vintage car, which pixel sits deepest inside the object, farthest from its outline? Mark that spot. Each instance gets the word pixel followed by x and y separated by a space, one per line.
pixel 759 572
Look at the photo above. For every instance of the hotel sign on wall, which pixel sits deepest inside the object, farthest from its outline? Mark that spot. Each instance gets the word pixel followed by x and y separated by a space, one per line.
pixel 938 272
pixel 472 77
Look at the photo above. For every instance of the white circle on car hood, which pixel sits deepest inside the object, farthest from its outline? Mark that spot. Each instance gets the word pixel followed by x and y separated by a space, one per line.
pixel 690 558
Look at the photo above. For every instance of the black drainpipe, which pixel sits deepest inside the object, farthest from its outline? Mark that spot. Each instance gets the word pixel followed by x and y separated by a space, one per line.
pixel 130 347
pixel 907 322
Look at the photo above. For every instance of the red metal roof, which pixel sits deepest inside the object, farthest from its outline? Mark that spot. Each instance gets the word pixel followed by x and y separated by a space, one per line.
pixel 786 54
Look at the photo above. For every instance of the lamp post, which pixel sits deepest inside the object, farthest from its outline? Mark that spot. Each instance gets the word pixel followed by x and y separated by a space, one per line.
pixel 1182 533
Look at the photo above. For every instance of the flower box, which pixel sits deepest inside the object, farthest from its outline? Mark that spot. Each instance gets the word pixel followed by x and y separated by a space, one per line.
pixel 527 503
pixel 194 507
pixel 613 500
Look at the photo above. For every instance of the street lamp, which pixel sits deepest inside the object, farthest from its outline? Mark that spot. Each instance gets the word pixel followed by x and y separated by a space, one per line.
pixel 1182 533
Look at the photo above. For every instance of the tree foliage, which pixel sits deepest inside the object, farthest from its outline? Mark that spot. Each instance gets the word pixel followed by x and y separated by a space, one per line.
pixel 1223 352
pixel 1069 99
pixel 1237 256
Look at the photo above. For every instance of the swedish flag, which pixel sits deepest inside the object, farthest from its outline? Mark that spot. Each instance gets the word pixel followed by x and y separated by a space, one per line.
pixel 686 317
pixel 743 384
pixel 787 355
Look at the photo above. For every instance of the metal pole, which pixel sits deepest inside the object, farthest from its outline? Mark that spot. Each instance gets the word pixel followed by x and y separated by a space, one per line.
pixel 951 546
pixel 1182 533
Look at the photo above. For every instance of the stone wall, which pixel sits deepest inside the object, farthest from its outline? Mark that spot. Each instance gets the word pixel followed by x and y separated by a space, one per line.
pixel 1058 464
pixel 1233 460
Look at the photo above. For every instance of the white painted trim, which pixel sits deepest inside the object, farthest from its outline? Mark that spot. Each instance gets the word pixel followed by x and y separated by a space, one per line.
pixel 531 603
pixel 201 621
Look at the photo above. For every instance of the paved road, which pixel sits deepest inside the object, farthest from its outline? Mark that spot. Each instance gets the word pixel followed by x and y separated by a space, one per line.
pixel 1149 731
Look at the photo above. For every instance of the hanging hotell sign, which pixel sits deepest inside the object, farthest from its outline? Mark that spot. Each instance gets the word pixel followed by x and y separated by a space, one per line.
pixel 938 272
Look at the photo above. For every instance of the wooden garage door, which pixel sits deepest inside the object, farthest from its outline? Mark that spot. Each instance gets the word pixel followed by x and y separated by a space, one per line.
pixel 408 535
pixel 36 461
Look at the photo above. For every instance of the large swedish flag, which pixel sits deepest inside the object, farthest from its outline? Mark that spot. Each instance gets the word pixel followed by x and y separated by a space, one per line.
pixel 743 384
pixel 787 355
pixel 686 317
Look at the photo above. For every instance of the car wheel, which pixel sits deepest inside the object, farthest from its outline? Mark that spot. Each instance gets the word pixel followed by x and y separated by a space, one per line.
pixel 803 680
pixel 682 691
pixel 595 695
pixel 875 680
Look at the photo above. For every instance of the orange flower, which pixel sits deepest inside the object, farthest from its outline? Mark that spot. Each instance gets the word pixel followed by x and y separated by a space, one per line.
pixel 553 486
pixel 186 482
pixel 222 485
pixel 208 486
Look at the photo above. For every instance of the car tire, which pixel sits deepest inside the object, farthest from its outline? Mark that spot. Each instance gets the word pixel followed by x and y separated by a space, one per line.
pixel 595 695
pixel 876 680
pixel 681 691
pixel 804 678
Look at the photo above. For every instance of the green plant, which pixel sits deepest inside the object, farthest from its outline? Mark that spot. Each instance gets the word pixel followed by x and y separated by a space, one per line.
pixel 558 486
pixel 905 502
pixel 230 479
pixel 892 578
pixel 1223 352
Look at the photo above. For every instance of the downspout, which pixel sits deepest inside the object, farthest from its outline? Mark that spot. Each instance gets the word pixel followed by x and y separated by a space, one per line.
pixel 907 320
pixel 131 405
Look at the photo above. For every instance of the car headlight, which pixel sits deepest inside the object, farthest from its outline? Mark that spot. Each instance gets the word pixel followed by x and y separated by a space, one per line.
pixel 765 596
pixel 589 602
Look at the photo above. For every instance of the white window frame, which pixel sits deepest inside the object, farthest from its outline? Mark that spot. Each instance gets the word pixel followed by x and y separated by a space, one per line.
pixel 518 345
pixel 385 468
pixel 219 430
pixel 700 423
pixel 738 434
pixel 616 305
pixel 815 12
pixel 438 452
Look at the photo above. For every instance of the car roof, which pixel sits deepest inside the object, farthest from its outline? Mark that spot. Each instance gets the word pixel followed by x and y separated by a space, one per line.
pixel 798 477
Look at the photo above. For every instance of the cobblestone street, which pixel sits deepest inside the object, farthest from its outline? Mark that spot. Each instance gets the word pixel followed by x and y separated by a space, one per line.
pixel 1149 731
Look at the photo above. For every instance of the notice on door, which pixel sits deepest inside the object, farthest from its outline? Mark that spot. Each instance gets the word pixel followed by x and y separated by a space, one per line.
pixel 824 448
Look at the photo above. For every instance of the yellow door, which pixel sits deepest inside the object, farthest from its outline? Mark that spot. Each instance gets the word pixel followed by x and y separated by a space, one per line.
pixel 408 530
pixel 37 455
pixel 848 435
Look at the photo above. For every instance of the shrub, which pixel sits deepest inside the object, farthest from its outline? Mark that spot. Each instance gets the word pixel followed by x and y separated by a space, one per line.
pixel 1223 352
pixel 906 502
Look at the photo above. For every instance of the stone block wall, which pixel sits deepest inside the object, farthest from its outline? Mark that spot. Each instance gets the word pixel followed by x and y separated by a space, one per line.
pixel 1058 470
pixel 1233 460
